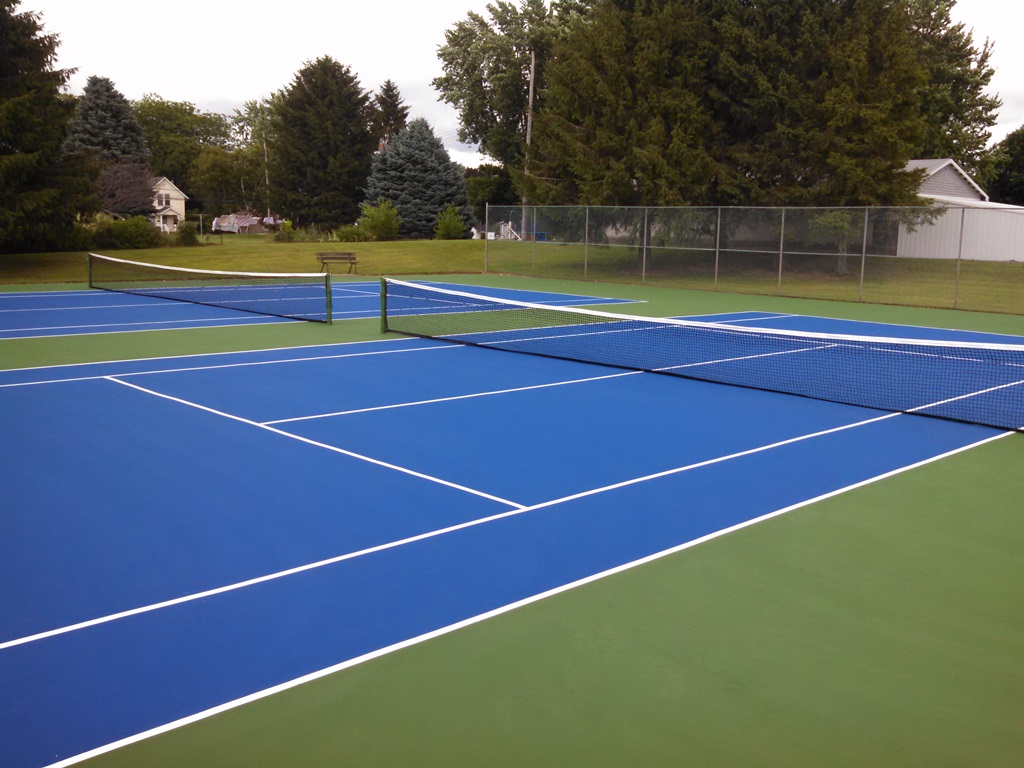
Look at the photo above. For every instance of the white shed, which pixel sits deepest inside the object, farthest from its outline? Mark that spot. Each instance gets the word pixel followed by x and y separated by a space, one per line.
pixel 971 228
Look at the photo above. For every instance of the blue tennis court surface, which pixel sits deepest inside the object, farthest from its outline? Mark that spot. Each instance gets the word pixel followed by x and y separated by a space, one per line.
pixel 195 532
pixel 64 313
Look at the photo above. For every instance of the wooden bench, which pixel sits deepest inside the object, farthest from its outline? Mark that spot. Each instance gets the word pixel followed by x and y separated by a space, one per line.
pixel 334 257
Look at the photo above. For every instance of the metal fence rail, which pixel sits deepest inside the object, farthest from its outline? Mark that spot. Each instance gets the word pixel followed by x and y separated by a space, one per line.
pixel 950 257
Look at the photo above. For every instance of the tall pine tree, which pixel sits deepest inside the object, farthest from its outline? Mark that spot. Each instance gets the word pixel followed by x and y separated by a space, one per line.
pixel 41 190
pixel 622 122
pixel 104 129
pixel 104 123
pixel 958 112
pixel 390 113
pixel 416 175
pixel 322 146
pixel 796 102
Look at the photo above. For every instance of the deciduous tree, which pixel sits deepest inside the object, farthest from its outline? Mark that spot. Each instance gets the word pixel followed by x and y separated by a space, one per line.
pixel 177 132
pixel 487 65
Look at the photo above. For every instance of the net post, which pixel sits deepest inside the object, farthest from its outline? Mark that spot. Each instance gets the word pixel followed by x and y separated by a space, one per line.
pixel 88 259
pixel 329 303
pixel 383 305
pixel 959 258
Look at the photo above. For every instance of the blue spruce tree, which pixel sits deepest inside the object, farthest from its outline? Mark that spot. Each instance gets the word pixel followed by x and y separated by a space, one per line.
pixel 416 175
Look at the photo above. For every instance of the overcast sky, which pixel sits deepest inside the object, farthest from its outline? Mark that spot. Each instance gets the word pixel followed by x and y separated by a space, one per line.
pixel 218 54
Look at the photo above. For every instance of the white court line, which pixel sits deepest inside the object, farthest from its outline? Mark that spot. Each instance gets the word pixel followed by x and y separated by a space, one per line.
pixel 453 398
pixel 431 534
pixel 334 449
pixel 412 641
pixel 233 365
pixel 527 388
pixel 94 306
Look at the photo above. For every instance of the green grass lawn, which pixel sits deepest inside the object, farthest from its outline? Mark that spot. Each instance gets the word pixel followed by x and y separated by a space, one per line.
pixel 257 253
pixel 976 286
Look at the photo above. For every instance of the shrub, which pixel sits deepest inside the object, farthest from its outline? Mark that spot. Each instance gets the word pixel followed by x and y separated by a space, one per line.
pixel 380 221
pixel 349 234
pixel 449 224
pixel 285 234
pixel 134 232
pixel 187 233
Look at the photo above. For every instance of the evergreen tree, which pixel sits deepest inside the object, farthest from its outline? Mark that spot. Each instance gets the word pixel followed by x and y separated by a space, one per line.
pixel 958 113
pixel 104 129
pixel 1008 166
pixel 41 190
pixel 622 122
pixel 322 146
pixel 731 102
pixel 390 113
pixel 415 174
pixel 105 124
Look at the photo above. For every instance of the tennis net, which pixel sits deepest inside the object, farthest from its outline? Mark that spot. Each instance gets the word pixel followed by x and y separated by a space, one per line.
pixel 975 383
pixel 301 296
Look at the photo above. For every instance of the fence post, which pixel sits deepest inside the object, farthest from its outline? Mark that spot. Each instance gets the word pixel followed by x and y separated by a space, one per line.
pixel 782 240
pixel 959 258
pixel 586 239
pixel 718 243
pixel 643 245
pixel 487 232
pixel 863 256
pixel 533 248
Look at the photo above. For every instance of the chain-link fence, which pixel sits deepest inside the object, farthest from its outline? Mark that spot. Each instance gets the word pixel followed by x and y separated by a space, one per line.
pixel 965 258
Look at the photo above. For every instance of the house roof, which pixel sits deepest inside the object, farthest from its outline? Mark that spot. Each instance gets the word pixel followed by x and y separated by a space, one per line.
pixel 962 202
pixel 155 181
pixel 935 165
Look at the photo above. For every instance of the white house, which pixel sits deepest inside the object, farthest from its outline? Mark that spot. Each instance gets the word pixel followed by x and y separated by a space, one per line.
pixel 168 204
pixel 972 226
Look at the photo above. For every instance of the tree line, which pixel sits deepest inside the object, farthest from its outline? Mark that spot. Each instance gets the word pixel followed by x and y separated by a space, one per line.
pixel 601 102
pixel 725 102
pixel 310 152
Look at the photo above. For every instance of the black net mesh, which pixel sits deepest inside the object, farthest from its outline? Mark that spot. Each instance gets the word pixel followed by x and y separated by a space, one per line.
pixel 295 296
pixel 976 383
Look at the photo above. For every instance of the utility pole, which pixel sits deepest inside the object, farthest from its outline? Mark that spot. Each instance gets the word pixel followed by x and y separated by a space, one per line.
pixel 529 129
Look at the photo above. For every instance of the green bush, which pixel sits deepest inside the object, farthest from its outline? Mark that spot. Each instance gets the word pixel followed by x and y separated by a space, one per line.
pixel 449 224
pixel 349 234
pixel 380 221
pixel 285 234
pixel 134 232
pixel 187 233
